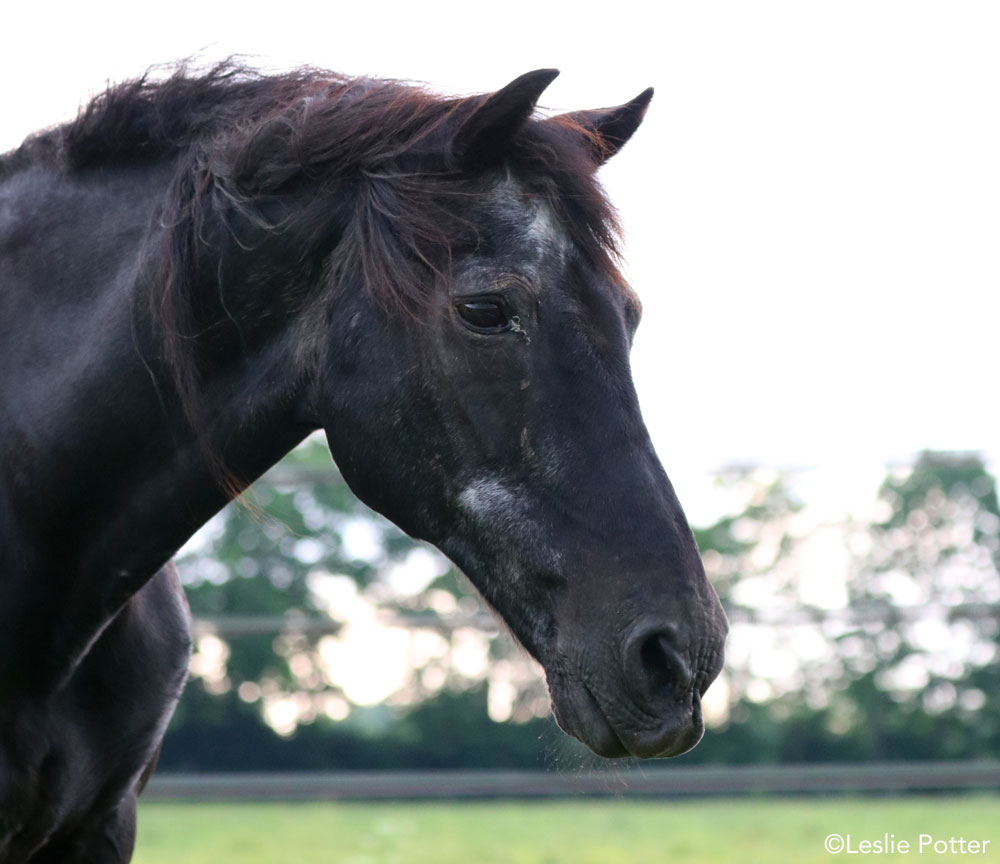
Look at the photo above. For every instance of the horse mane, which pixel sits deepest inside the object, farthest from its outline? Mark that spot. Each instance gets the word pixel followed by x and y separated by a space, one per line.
pixel 270 152
pixel 255 134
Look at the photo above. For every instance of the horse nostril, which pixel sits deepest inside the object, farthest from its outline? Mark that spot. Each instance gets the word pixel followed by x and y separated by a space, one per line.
pixel 660 666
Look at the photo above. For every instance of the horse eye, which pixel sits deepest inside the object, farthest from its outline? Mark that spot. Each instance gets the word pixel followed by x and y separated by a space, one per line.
pixel 483 314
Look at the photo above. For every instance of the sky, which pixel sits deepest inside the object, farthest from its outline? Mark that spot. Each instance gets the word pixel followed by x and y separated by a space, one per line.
pixel 812 206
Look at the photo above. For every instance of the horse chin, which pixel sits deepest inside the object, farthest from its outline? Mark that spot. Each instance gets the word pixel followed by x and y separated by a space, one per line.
pixel 579 713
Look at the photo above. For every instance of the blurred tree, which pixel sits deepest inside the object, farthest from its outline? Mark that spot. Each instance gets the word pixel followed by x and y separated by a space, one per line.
pixel 921 651
pixel 901 663
pixel 750 558
pixel 300 546
pixel 750 542
pixel 907 667
pixel 223 733
pixel 256 558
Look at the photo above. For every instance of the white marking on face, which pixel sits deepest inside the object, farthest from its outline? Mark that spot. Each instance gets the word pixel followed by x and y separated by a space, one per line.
pixel 546 235
pixel 488 500
pixel 542 231
pixel 506 515
pixel 509 548
pixel 543 227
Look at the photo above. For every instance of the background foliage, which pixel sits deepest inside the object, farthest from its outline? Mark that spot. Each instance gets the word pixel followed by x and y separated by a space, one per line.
pixel 853 638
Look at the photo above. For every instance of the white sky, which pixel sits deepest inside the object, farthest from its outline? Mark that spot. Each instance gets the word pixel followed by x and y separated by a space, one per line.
pixel 813 204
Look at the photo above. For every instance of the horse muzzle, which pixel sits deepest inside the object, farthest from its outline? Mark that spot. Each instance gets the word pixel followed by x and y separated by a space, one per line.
pixel 648 704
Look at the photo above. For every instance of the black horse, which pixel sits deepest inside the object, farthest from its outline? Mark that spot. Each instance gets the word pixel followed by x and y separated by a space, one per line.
pixel 200 271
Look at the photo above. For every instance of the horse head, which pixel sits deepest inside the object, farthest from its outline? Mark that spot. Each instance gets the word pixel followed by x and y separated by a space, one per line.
pixel 497 417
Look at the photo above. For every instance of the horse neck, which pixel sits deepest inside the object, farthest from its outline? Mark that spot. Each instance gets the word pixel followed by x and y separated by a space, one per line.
pixel 103 472
pixel 250 409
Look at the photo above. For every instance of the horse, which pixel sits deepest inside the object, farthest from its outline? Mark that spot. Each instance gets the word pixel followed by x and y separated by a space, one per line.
pixel 204 268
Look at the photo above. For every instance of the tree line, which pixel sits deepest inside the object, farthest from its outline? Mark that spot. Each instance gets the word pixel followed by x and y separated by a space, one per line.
pixel 856 638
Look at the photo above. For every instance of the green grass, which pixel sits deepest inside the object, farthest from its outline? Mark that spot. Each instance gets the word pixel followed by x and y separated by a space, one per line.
pixel 746 831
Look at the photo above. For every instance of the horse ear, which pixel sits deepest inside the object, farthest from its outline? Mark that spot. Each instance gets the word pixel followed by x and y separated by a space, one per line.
pixel 484 136
pixel 612 127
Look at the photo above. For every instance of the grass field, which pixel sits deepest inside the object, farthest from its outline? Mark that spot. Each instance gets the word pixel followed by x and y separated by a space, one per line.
pixel 745 831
